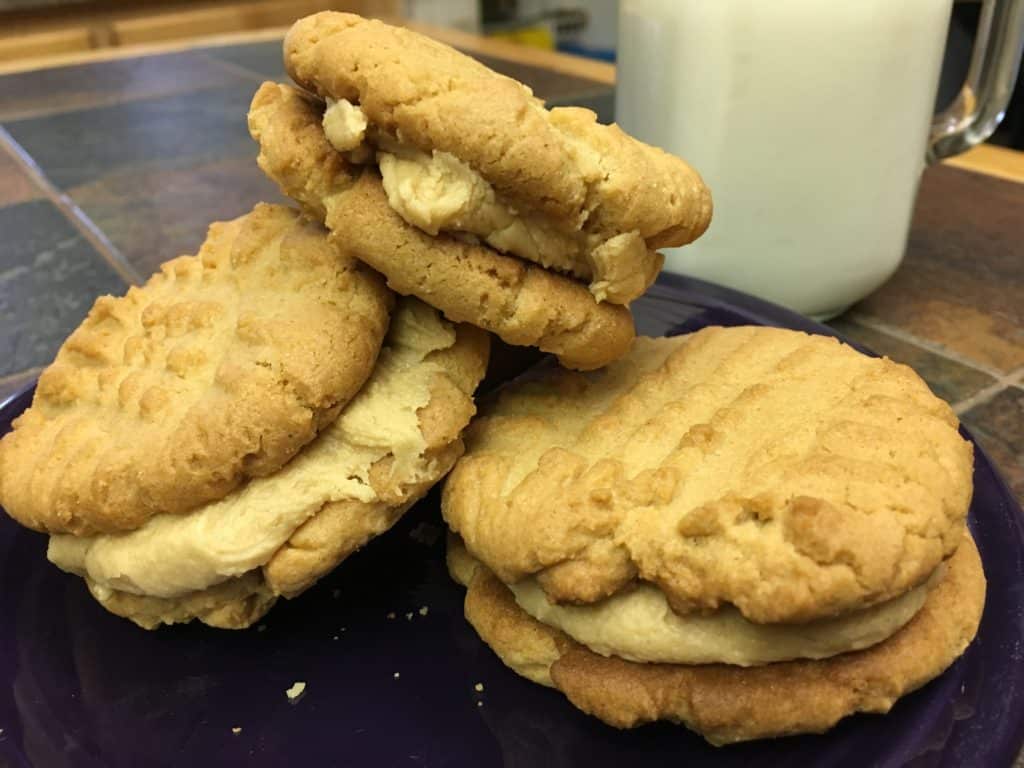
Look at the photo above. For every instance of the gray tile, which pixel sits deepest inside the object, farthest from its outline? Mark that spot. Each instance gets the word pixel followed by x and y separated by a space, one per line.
pixel 62 89
pixel 263 59
pixel 49 277
pixel 154 214
pixel 998 424
pixel 74 148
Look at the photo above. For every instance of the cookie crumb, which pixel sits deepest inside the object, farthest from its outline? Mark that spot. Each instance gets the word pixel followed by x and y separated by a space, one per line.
pixel 334 638
pixel 391 615
pixel 479 687
pixel 261 627
pixel 295 691
pixel 424 610
pixel 236 730
pixel 397 675
pixel 408 616
pixel 479 703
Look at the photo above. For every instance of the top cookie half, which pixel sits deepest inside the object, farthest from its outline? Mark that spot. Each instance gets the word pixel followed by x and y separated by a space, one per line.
pixel 221 367
pixel 785 474
pixel 464 149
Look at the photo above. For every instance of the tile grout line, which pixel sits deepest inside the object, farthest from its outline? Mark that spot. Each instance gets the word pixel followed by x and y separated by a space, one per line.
pixel 237 69
pixel 929 346
pixel 1013 379
pixel 114 100
pixel 104 102
pixel 982 395
pixel 75 215
pixel 1016 378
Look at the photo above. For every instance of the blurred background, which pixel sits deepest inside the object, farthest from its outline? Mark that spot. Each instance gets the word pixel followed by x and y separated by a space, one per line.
pixel 33 29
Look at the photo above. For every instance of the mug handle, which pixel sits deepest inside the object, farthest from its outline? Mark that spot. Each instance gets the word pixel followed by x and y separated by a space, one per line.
pixel 981 103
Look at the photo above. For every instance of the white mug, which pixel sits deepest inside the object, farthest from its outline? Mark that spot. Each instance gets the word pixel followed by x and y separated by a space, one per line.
pixel 808 119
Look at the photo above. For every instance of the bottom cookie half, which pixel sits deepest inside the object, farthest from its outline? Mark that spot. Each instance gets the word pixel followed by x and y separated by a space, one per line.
pixel 724 703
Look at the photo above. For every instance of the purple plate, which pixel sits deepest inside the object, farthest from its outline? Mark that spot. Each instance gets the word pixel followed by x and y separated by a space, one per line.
pixel 86 688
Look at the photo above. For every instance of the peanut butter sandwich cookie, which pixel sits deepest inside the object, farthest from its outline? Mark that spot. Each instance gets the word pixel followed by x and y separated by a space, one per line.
pixel 521 302
pixel 228 561
pixel 220 368
pixel 751 531
pixel 467 151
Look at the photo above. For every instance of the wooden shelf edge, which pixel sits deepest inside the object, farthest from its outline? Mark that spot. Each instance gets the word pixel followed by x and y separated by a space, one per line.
pixel 142 49
pixel 567 64
pixel 578 66
pixel 992 160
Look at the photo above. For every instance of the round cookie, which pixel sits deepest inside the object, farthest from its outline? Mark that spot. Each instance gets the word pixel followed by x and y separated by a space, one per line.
pixel 784 474
pixel 522 303
pixel 725 703
pixel 226 562
pixel 605 199
pixel 220 368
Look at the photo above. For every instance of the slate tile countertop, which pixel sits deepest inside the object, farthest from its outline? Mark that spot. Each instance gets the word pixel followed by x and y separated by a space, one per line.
pixel 109 168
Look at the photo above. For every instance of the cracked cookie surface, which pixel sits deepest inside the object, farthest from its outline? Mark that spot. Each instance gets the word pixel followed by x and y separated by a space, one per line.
pixel 784 474
pixel 521 302
pixel 220 368
pixel 607 200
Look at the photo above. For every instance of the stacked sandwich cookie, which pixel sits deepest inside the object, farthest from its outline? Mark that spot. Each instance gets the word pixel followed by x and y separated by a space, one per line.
pixel 463 190
pixel 232 430
pixel 751 531
pixel 229 432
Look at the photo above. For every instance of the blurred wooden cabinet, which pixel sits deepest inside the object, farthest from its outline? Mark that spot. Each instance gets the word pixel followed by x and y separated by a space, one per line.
pixel 31 29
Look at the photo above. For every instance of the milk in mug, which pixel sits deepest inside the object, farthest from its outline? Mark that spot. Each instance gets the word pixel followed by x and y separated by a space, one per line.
pixel 809 121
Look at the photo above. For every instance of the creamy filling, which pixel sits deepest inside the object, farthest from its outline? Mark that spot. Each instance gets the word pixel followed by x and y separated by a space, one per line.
pixel 172 555
pixel 344 125
pixel 640 626
pixel 439 192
